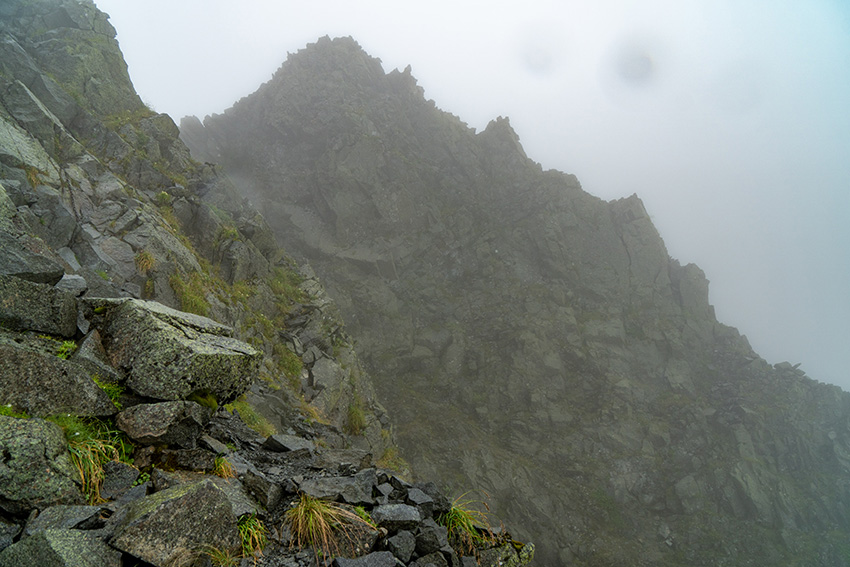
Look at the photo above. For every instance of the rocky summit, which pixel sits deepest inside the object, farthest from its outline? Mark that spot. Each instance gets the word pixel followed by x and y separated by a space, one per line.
pixel 175 390
pixel 531 340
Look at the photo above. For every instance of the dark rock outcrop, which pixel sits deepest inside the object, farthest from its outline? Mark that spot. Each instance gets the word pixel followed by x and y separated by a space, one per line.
pixel 533 340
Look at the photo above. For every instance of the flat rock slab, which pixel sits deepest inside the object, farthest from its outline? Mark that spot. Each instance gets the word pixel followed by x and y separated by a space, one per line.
pixel 395 517
pixel 281 442
pixel 36 471
pixel 42 384
pixel 60 548
pixel 166 423
pixel 168 354
pixel 65 518
pixel 169 526
pixel 29 306
pixel 356 490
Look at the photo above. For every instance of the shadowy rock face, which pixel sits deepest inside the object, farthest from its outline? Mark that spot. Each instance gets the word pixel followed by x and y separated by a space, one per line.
pixel 61 548
pixel 533 340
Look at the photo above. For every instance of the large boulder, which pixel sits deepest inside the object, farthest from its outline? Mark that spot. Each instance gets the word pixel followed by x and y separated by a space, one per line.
pixel 29 306
pixel 168 354
pixel 43 384
pixel 19 256
pixel 60 548
pixel 36 469
pixel 173 524
pixel 170 423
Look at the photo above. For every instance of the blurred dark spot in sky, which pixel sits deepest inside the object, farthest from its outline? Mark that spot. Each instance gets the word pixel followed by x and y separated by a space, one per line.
pixel 634 66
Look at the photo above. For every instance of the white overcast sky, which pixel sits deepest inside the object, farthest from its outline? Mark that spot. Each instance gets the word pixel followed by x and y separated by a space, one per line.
pixel 729 118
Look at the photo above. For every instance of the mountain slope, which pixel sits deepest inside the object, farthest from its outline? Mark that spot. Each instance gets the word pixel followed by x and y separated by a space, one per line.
pixel 533 340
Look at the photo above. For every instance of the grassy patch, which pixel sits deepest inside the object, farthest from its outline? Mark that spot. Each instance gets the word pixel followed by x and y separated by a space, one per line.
pixel 33 176
pixel 204 398
pixel 253 535
pixel 284 284
pixel 251 417
pixel 467 526
pixel 321 524
pixel 191 293
pixel 66 349
pixel 92 443
pixel 112 389
pixel 355 419
pixel 119 119
pixel 290 364
pixel 392 460
pixel 222 557
pixel 312 413
pixel 8 410
pixel 223 468
pixel 145 262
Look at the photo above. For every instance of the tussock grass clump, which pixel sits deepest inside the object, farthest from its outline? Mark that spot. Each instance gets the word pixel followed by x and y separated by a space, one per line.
pixel 253 534
pixel 223 468
pixel 222 557
pixel 467 526
pixel 391 459
pixel 92 443
pixel 322 525
pixel 355 419
pixel 145 261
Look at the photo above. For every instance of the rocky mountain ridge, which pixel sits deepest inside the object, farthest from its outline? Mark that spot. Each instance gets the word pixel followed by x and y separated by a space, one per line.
pixel 533 340
pixel 147 310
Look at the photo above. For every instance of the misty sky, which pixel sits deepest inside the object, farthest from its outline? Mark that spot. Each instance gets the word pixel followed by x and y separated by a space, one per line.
pixel 730 119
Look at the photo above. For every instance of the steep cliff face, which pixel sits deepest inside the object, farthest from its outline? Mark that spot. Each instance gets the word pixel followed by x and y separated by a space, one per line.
pixel 532 340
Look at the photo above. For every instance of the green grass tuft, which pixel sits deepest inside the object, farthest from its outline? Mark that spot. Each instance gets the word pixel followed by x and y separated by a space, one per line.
pixel 321 524
pixel 251 417
pixel 355 419
pixel 66 349
pixel 253 534
pixel 92 443
pixel 467 526
pixel 112 389
pixel 8 410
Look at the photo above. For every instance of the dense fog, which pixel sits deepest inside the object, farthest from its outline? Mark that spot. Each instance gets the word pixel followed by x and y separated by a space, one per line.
pixel 729 119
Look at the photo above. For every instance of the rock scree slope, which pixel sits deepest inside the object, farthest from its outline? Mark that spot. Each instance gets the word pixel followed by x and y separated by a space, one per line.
pixel 530 339
pixel 172 384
